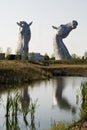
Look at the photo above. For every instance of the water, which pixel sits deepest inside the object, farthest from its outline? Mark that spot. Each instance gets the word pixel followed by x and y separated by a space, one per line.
pixel 58 99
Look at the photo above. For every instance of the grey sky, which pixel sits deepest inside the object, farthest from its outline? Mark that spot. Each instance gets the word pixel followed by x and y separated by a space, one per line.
pixel 44 14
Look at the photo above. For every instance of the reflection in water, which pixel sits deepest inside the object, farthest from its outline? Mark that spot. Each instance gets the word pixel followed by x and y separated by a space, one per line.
pixel 28 106
pixel 20 106
pixel 13 108
pixel 25 102
pixel 59 100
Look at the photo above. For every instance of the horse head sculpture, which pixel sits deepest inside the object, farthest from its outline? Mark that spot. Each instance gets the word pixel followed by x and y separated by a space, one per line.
pixel 24 38
pixel 60 50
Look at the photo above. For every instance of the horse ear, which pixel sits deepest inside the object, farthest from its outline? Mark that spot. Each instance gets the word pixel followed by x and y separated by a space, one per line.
pixel 30 23
pixel 19 24
pixel 54 27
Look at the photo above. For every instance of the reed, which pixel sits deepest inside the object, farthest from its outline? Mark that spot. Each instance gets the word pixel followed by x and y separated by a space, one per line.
pixel 12 110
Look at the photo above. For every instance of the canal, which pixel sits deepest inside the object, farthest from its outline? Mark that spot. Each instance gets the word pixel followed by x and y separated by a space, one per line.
pixel 38 105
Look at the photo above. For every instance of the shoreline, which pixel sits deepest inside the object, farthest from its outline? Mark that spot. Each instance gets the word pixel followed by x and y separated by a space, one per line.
pixel 12 72
pixel 67 69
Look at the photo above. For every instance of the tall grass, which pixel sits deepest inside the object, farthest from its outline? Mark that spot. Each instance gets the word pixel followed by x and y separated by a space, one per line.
pixel 84 100
pixel 13 109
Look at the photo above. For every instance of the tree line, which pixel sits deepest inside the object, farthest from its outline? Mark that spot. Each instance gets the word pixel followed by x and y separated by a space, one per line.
pixel 49 59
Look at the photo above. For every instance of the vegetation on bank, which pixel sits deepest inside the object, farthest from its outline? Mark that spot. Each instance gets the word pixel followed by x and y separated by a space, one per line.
pixel 12 72
pixel 21 71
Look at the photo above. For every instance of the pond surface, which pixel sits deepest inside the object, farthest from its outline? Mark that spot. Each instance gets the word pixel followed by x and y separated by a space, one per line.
pixel 54 100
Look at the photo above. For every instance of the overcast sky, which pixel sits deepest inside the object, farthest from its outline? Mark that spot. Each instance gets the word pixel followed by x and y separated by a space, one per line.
pixel 44 14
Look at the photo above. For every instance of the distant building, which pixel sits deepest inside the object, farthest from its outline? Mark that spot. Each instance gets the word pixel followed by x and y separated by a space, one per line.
pixel 35 56
pixel 2 56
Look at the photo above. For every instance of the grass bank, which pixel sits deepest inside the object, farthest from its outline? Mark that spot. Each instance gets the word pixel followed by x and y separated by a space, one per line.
pixel 20 72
